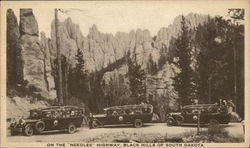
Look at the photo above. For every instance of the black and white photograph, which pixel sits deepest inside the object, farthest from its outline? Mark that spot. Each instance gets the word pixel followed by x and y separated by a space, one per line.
pixel 125 73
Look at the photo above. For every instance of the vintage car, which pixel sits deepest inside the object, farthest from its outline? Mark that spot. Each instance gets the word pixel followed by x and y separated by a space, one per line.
pixel 47 119
pixel 127 114
pixel 205 113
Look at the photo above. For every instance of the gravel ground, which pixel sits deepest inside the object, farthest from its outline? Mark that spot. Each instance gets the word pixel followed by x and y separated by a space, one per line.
pixel 124 133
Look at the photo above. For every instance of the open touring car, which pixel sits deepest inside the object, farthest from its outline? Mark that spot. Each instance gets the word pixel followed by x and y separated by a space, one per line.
pixel 127 114
pixel 47 119
pixel 208 113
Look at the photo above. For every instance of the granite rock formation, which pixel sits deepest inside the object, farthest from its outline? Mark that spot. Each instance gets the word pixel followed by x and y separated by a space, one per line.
pixel 12 47
pixel 34 57
pixel 29 55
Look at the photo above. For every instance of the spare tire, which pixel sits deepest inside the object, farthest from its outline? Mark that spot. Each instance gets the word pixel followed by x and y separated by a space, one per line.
pixel 39 126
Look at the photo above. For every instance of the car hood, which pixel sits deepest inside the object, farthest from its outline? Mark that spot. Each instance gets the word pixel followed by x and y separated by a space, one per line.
pixel 21 123
pixel 99 115
pixel 178 113
pixel 30 120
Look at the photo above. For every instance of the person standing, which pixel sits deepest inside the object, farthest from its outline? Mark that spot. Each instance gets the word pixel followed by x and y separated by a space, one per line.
pixel 220 103
pixel 196 101
pixel 90 121
pixel 230 106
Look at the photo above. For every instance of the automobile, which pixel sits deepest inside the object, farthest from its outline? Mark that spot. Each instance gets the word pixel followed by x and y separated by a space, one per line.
pixel 127 114
pixel 47 119
pixel 204 113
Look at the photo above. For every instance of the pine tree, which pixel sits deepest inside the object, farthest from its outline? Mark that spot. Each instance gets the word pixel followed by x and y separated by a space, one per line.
pixel 80 65
pixel 183 81
pixel 79 75
pixel 162 60
pixel 217 41
pixel 151 65
pixel 163 57
pixel 137 79
pixel 237 35
pixel 204 40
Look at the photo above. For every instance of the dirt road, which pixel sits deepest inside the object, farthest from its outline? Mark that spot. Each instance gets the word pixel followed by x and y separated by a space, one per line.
pixel 85 135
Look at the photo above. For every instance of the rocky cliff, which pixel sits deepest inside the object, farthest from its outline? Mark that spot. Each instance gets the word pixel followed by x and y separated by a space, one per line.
pixel 101 49
pixel 34 57
pixel 165 34
pixel 12 47
pixel 28 55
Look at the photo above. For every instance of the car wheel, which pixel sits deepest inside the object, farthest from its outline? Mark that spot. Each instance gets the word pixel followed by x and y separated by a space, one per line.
pixel 213 122
pixel 179 119
pixel 95 124
pixel 71 128
pixel 28 130
pixel 138 123
pixel 40 126
pixel 170 122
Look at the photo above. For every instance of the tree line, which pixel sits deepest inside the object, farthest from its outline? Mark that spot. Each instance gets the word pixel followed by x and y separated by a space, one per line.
pixel 211 61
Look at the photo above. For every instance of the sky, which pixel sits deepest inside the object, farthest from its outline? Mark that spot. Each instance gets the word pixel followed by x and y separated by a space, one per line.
pixel 111 18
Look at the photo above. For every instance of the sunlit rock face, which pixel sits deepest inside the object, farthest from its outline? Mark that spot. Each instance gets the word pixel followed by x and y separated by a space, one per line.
pixel 28 23
pixel 31 59
pixel 31 53
pixel 101 49
pixel 47 62
pixel 27 56
pixel 165 34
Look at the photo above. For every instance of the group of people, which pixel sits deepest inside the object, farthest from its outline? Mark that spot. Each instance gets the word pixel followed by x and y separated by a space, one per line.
pixel 226 104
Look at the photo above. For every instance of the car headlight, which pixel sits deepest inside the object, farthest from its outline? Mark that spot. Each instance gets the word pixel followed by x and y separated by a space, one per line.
pixel 21 121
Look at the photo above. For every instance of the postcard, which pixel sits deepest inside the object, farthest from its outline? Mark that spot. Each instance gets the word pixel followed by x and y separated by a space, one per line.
pixel 125 73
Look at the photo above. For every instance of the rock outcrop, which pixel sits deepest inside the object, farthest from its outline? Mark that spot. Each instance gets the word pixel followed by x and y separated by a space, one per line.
pixel 34 57
pixel 28 58
pixel 165 34
pixel 28 23
pixel 45 45
pixel 12 47
pixel 101 49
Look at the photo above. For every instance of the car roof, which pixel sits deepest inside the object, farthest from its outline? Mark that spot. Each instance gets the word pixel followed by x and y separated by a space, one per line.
pixel 129 107
pixel 55 108
pixel 199 106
